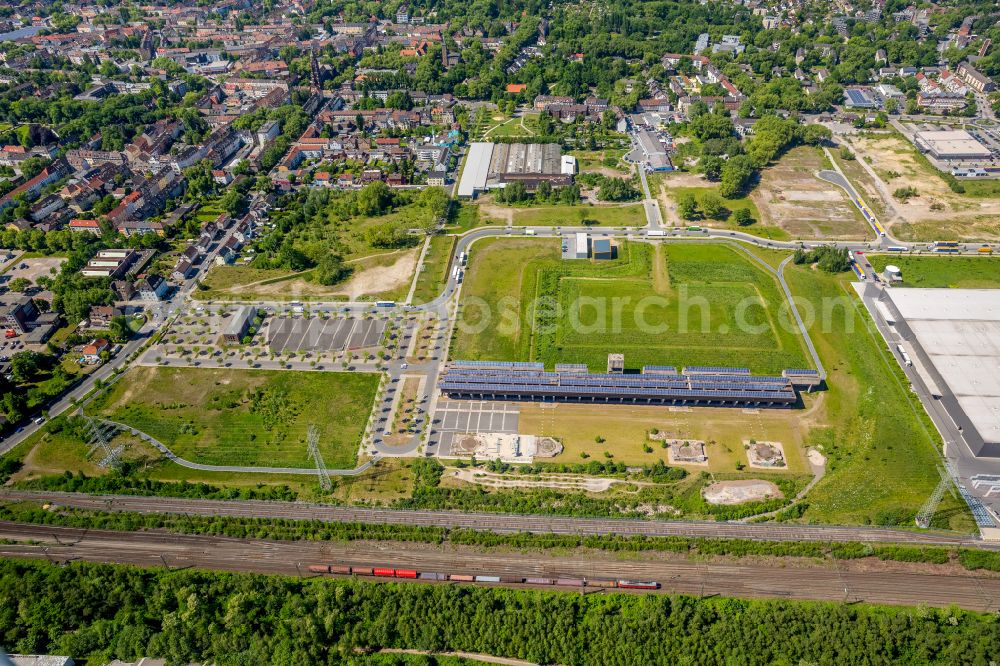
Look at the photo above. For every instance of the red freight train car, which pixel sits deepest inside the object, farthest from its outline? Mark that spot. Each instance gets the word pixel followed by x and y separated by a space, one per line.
pixel 386 572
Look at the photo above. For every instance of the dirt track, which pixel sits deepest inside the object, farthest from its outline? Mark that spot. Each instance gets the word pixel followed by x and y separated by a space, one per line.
pixel 851 582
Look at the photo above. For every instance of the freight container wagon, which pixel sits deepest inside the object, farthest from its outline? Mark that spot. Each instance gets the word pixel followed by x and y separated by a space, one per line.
pixel 569 582
pixel 406 573
pixel 511 579
pixel 487 579
pixel 638 585
pixel 601 583
pixel 319 568
pixel 461 578
pixel 538 581
pixel 383 572
pixel 339 569
pixel 362 571
pixel 423 575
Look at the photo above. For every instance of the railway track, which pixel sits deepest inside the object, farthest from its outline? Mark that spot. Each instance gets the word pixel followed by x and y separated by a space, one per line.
pixel 492 522
pixel 844 583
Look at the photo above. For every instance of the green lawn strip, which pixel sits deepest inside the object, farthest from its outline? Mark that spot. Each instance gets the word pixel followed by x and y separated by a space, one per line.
pixel 630 215
pixel 942 272
pixel 435 269
pixel 245 417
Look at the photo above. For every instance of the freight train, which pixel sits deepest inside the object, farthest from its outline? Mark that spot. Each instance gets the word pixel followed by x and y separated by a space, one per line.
pixel 386 572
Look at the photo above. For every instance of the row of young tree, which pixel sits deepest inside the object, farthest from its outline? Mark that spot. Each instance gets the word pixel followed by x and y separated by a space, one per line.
pixel 101 612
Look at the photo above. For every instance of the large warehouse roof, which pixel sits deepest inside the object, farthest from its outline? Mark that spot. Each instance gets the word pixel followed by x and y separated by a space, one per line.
pixel 477 166
pixel 952 144
pixel 959 330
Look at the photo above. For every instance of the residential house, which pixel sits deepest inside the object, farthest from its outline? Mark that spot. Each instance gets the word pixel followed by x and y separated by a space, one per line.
pixel 100 316
pixel 152 288
pixel 91 353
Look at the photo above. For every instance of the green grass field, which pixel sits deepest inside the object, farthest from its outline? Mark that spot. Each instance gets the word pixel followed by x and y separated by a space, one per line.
pixel 435 271
pixel 771 232
pixel 245 417
pixel 675 305
pixel 462 217
pixel 943 272
pixel 631 215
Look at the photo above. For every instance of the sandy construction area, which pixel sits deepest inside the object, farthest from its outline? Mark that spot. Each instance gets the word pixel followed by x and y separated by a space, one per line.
pixel 737 492
pixel 792 197
pixel 896 165
pixel 371 276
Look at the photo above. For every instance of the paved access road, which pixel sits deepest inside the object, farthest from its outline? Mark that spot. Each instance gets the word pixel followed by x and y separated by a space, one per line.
pixel 890 583
pixel 493 522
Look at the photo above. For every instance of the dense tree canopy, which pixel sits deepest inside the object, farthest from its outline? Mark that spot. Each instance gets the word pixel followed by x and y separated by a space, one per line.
pixel 107 612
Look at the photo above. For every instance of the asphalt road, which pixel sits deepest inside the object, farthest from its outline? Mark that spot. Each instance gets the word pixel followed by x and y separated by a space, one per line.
pixel 888 583
pixel 502 523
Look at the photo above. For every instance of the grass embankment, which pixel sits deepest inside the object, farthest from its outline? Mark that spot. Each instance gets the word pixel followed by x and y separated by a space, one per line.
pixel 434 272
pixel 611 215
pixel 943 272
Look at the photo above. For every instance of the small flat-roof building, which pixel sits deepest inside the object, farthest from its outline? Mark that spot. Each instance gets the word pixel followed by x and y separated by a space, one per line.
pixel 951 145
pixel 654 151
pixel 616 363
pixel 602 248
pixel 239 324
pixel 582 246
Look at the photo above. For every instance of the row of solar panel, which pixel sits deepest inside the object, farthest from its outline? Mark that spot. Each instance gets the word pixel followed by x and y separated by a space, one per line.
pixel 716 370
pixel 580 369
pixel 660 369
pixel 489 389
pixel 498 364
pixel 563 380
pixel 572 367
pixel 800 372
pixel 745 383
pixel 602 378
pixel 736 378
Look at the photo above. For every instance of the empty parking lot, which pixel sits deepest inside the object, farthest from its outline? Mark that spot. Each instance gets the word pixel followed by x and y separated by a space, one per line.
pixel 294 334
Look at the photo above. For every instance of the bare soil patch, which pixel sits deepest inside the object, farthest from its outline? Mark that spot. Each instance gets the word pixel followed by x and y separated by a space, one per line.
pixel 738 492
pixel 793 198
